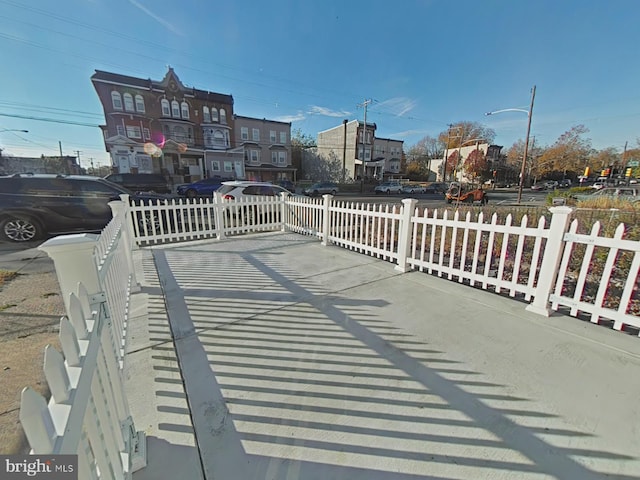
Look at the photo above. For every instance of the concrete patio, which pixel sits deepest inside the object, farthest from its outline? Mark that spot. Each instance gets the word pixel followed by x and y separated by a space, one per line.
pixel 269 356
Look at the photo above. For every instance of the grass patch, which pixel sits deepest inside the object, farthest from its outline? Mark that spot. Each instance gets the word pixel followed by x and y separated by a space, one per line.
pixel 6 306
pixel 6 276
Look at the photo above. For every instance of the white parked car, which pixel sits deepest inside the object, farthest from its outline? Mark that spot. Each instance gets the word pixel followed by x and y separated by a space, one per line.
pixel 238 189
pixel 412 189
pixel 388 188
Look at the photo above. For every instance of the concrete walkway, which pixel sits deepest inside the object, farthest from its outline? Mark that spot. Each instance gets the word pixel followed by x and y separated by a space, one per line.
pixel 272 357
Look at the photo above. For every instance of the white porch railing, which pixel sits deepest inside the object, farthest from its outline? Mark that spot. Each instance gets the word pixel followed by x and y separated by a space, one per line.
pixel 88 413
pixel 527 261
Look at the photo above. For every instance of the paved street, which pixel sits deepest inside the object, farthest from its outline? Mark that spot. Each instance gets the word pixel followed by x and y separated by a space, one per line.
pixel 496 197
pixel 271 356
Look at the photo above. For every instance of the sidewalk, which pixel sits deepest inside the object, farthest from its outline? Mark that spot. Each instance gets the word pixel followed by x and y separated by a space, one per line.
pixel 296 361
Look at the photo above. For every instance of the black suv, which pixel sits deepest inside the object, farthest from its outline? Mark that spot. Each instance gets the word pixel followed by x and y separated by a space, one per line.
pixel 34 205
pixel 140 182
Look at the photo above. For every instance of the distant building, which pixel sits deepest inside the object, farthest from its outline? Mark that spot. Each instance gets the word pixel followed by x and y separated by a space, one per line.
pixel 495 161
pixel 266 145
pixel 182 132
pixel 65 165
pixel 364 155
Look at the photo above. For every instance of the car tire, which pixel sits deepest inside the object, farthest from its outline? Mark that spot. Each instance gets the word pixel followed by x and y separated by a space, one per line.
pixel 388 191
pixel 469 200
pixel 191 193
pixel 316 193
pixel 20 229
pixel 333 192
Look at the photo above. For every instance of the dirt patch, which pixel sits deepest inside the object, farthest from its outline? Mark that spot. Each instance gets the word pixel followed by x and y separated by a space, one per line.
pixel 30 310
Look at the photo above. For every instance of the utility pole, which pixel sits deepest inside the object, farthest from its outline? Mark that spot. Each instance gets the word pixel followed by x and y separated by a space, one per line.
pixel 624 162
pixel 364 132
pixel 446 153
pixel 78 152
pixel 344 152
pixel 526 144
pixel 60 146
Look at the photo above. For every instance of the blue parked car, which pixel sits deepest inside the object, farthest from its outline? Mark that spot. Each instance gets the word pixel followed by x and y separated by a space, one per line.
pixel 201 188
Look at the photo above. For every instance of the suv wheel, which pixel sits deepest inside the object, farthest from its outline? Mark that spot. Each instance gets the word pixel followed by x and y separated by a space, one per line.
pixel 191 193
pixel 333 192
pixel 20 229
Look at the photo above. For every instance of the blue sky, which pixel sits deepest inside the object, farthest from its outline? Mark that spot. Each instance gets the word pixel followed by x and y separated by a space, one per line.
pixel 423 63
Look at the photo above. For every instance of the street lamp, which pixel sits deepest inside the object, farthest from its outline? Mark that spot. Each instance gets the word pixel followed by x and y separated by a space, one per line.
pixel 13 130
pixel 526 142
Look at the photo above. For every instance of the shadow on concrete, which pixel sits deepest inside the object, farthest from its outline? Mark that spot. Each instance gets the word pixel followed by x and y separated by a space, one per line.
pixel 286 376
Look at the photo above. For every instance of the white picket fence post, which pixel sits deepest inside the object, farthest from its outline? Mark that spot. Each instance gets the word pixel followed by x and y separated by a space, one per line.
pixel 121 209
pixel 326 218
pixel 552 256
pixel 218 213
pixel 73 257
pixel 405 230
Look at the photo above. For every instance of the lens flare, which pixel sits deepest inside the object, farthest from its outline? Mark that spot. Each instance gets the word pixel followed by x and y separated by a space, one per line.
pixel 152 149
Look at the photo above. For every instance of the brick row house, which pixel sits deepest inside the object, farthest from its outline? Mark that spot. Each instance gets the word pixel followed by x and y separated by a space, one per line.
pixel 364 155
pixel 184 133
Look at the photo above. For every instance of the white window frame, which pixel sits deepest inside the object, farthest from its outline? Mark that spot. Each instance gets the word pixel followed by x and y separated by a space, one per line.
pixel 244 133
pixel 228 166
pixel 175 109
pixel 133 131
pixel 223 116
pixel 206 115
pixel 116 100
pixel 274 157
pixel 166 107
pixel 140 104
pixel 129 106
pixel 184 110
pixel 254 155
pixel 272 136
pixel 283 138
pixel 146 133
pixel 214 114
pixel 255 134
pixel 215 165
pixel 282 158
pixel 120 130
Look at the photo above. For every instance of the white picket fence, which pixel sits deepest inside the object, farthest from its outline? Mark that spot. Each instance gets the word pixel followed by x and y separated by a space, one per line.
pixel 549 264
pixel 532 262
pixel 88 413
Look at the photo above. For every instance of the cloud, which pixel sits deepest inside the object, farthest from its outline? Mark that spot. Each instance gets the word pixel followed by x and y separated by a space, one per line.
pixel 157 18
pixel 291 118
pixel 398 105
pixel 327 112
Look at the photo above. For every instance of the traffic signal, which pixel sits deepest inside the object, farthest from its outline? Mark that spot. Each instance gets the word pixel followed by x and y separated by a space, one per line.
pixel 587 171
pixel 627 173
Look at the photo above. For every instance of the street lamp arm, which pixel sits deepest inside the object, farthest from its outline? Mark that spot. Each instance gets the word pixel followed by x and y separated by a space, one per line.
pixel 13 130
pixel 509 110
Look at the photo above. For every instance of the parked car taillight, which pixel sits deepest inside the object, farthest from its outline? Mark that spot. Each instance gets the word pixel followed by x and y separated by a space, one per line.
pixel 229 197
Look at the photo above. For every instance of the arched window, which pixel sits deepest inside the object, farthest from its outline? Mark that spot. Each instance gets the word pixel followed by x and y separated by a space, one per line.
pixel 175 109
pixel 166 109
pixel 223 116
pixel 139 103
pixel 116 100
pixel 218 138
pixel 179 135
pixel 214 114
pixel 206 117
pixel 128 102
pixel 185 110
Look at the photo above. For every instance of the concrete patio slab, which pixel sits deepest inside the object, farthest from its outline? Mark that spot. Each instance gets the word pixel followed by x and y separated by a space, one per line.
pixel 271 356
